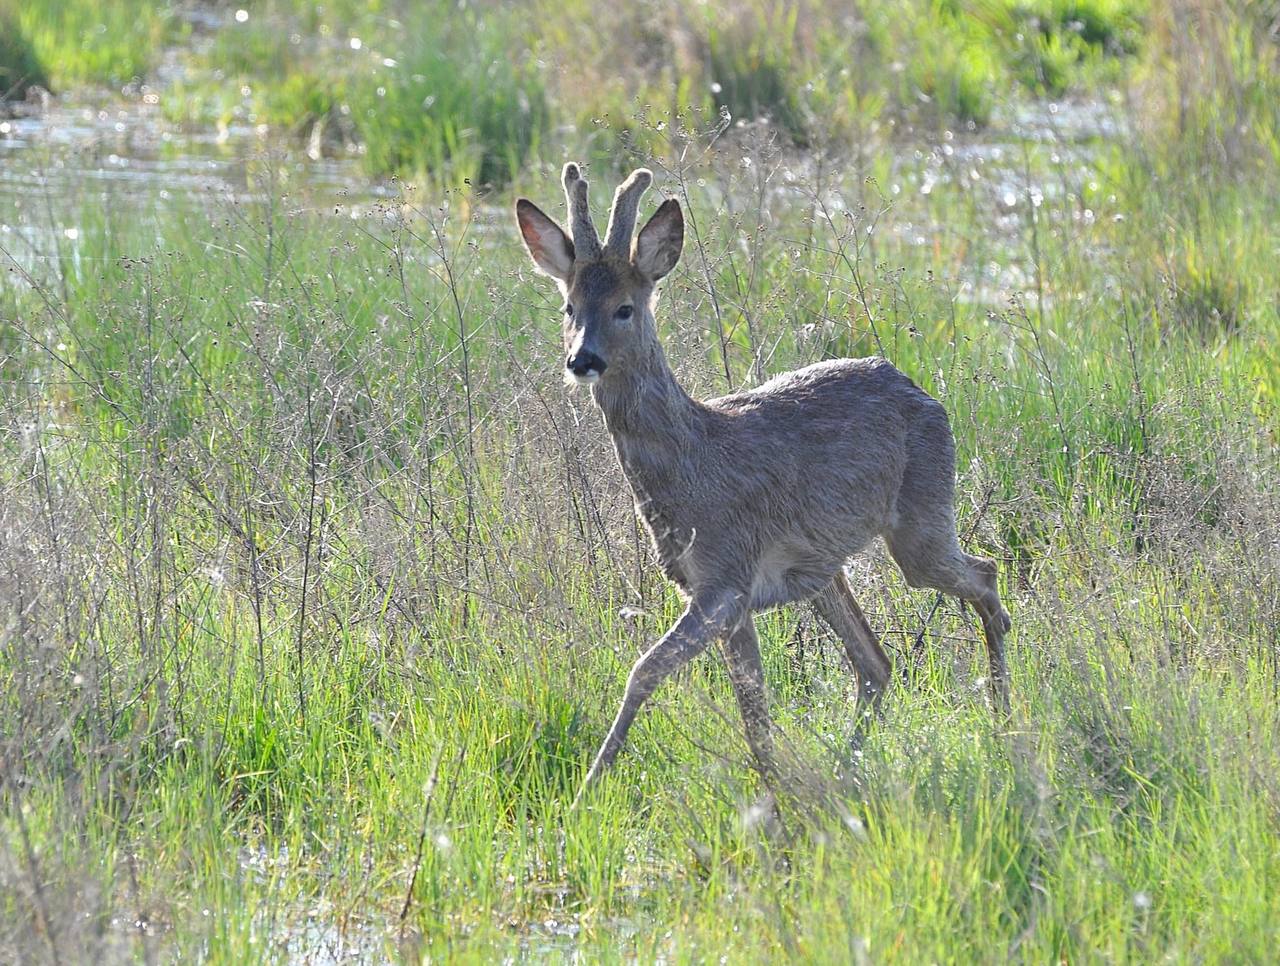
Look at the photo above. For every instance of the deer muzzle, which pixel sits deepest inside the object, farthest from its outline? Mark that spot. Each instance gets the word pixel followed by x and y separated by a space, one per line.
pixel 584 366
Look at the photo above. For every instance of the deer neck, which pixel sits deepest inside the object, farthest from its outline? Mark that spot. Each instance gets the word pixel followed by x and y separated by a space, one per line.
pixel 646 411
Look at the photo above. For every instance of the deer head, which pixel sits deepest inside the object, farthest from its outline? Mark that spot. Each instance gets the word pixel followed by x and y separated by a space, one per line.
pixel 607 289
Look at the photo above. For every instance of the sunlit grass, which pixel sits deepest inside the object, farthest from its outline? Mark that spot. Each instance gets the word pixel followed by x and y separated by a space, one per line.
pixel 462 647
pixel 105 43
pixel 463 92
pixel 317 589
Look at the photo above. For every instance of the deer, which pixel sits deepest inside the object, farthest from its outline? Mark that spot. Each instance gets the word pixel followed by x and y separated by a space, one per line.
pixel 759 498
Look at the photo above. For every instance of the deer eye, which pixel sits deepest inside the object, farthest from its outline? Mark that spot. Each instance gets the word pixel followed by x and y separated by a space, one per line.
pixel 568 309
pixel 624 312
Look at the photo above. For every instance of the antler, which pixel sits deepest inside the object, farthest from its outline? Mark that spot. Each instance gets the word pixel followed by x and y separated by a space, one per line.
pixel 622 217
pixel 586 243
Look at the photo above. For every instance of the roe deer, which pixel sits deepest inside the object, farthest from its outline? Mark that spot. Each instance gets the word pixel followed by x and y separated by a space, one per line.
pixel 758 498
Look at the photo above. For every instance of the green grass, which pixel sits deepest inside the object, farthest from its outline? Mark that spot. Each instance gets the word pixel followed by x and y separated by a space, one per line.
pixel 20 68
pixel 313 577
pixel 461 650
pixel 476 92
pixel 454 100
pixel 440 97
pixel 103 43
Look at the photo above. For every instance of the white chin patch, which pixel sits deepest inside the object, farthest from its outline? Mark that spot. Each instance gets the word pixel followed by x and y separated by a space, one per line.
pixel 573 379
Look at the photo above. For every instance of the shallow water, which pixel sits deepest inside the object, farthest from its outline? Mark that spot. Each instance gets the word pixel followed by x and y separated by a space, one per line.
pixel 59 160
pixel 62 161
pixel 128 150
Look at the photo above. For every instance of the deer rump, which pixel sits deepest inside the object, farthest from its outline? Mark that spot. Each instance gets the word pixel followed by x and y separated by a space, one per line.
pixel 771 491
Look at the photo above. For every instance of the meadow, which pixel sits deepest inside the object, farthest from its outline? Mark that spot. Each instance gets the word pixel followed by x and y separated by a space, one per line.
pixel 318 589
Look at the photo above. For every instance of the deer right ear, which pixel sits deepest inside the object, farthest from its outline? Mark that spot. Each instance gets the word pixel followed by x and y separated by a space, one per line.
pixel 549 247
pixel 659 242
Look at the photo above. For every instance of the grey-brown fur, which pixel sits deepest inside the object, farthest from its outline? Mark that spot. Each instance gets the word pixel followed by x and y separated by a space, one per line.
pixel 758 499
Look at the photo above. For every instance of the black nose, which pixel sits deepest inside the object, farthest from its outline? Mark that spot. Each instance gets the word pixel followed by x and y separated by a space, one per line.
pixel 584 363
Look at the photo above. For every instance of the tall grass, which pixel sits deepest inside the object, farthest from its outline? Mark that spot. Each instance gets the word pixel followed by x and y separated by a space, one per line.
pixel 315 579
pixel 20 68
pixel 317 589
pixel 455 98
pixel 106 43
pixel 460 91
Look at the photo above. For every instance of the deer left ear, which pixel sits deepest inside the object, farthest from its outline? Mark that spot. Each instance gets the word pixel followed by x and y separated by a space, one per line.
pixel 549 247
pixel 659 243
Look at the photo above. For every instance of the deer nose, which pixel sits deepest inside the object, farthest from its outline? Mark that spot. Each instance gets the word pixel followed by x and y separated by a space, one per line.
pixel 585 363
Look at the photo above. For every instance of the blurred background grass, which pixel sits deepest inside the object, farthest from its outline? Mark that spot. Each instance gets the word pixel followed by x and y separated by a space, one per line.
pixel 419 81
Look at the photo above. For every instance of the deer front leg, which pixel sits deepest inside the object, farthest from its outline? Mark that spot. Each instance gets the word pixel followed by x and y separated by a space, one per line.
pixel 746 674
pixel 704 621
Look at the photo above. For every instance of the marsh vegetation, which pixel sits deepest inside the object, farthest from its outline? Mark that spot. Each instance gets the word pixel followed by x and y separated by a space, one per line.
pixel 317 589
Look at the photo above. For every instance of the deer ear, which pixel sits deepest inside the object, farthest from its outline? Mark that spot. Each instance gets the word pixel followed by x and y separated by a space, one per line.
pixel 659 242
pixel 549 247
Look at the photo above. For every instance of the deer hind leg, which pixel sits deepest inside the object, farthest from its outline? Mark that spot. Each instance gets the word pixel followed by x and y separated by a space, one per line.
pixel 746 673
pixel 836 605
pixel 929 555
pixel 704 621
